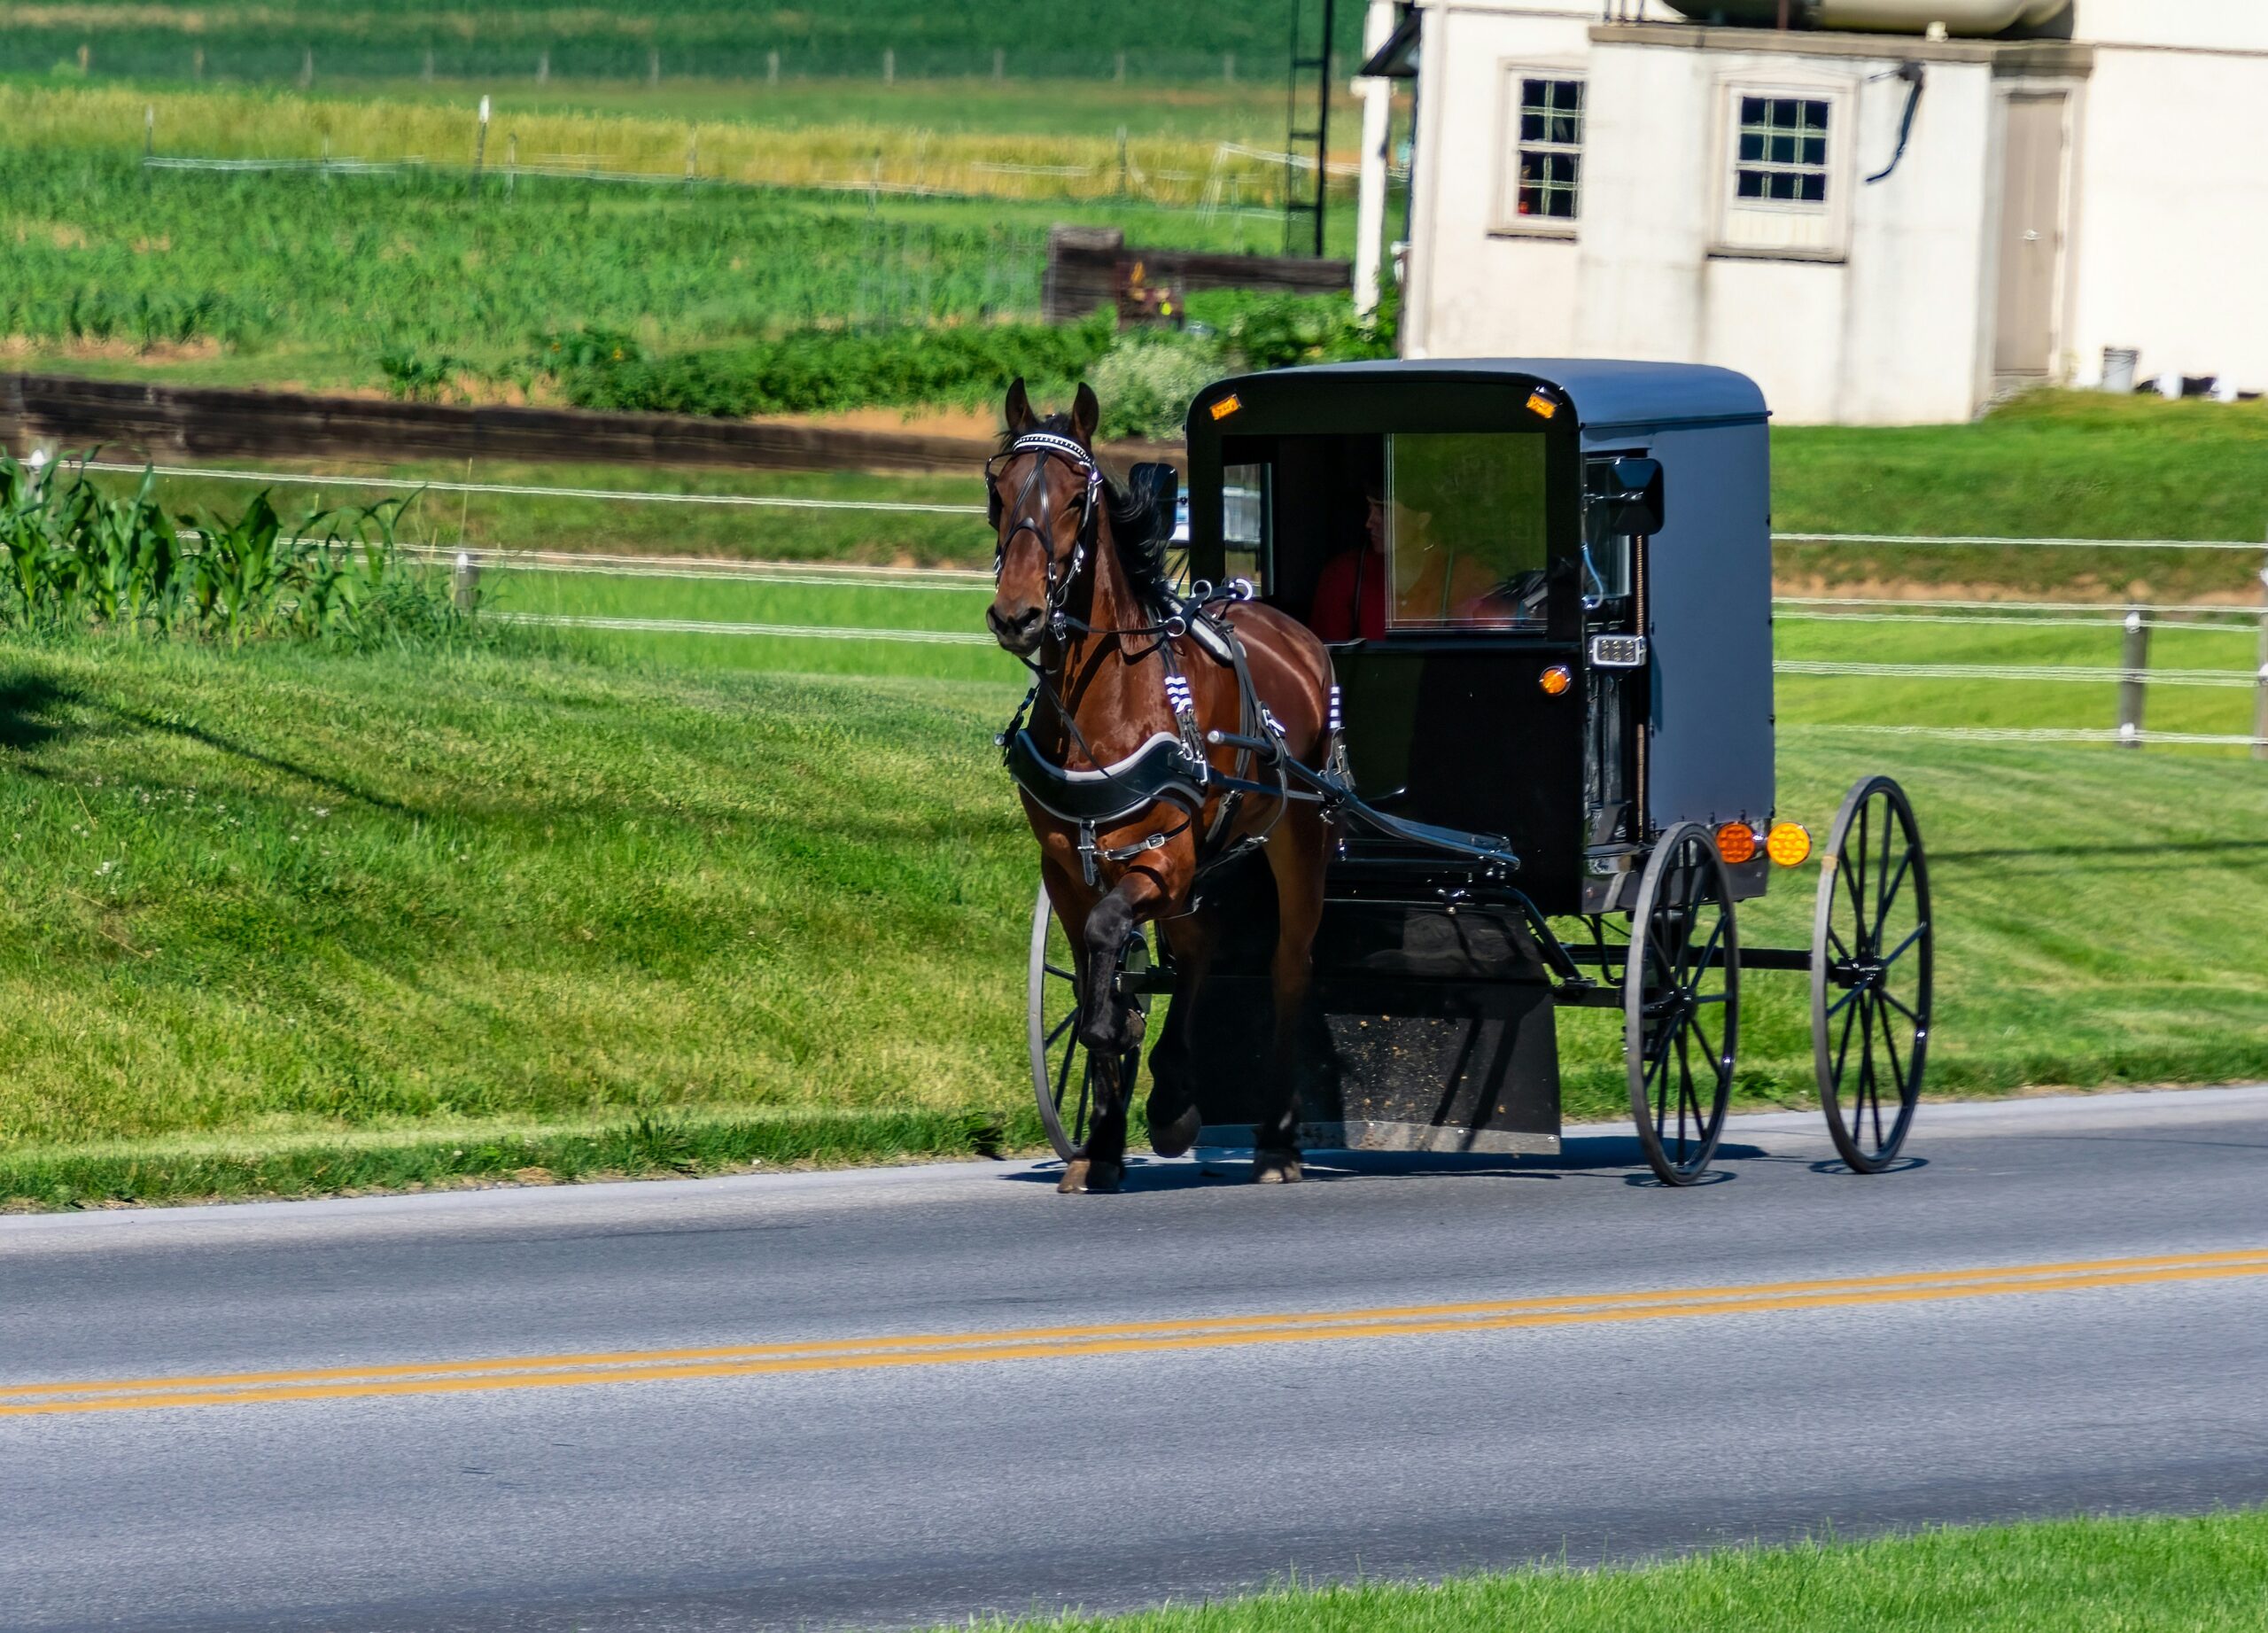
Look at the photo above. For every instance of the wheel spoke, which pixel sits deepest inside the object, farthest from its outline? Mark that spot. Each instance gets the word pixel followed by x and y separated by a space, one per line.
pixel 1835 942
pixel 1842 1049
pixel 1896 1066
pixel 1058 969
pixel 1708 1049
pixel 1685 1095
pixel 1059 1027
pixel 1838 1006
pixel 1889 997
pixel 1920 930
pixel 1890 896
pixel 1063 1072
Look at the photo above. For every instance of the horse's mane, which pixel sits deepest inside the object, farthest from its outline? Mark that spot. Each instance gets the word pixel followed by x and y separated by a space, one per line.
pixel 1141 533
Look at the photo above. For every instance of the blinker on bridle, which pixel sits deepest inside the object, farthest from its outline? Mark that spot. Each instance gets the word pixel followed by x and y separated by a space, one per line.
pixel 1045 445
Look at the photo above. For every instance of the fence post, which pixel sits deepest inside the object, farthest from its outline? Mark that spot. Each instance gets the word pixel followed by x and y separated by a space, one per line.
pixel 1118 69
pixel 1228 67
pixel 2260 686
pixel 999 65
pixel 772 67
pixel 480 145
pixel 425 72
pixel 692 152
pixel 890 65
pixel 543 66
pixel 465 583
pixel 149 131
pixel 308 68
pixel 2133 661
pixel 196 65
pixel 653 65
pixel 511 161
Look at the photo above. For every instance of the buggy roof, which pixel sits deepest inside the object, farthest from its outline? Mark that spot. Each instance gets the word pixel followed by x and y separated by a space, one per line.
pixel 1608 395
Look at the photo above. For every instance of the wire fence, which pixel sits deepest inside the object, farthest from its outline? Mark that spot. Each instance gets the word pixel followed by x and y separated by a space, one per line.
pixel 2134 621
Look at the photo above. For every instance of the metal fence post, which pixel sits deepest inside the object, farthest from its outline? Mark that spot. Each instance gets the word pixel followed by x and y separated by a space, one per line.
pixel 2133 661
pixel 2260 684
pixel 465 583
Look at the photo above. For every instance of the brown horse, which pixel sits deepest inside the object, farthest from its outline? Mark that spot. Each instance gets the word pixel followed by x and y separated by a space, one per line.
pixel 1092 622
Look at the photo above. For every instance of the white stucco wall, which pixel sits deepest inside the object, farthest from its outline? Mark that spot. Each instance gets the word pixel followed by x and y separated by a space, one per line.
pixel 2170 249
pixel 1892 333
pixel 2211 25
pixel 2166 229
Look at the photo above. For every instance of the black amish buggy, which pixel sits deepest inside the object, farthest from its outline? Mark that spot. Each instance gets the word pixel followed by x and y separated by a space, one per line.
pixel 1547 588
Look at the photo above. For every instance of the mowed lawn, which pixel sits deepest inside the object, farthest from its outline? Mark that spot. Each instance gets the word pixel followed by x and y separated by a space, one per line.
pixel 281 920
pixel 2151 1576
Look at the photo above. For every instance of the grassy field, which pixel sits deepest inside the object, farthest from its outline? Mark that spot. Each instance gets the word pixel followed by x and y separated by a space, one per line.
pixel 1172 40
pixel 109 269
pixel 2148 1575
pixel 283 921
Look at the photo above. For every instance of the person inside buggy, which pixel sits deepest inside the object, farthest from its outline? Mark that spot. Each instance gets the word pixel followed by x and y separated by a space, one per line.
pixel 1441 549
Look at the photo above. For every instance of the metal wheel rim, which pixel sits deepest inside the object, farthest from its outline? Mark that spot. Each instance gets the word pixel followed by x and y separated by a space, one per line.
pixel 1666 1089
pixel 1061 1074
pixel 1875 879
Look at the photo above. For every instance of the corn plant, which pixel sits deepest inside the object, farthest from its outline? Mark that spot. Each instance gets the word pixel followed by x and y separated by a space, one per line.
pixel 79 557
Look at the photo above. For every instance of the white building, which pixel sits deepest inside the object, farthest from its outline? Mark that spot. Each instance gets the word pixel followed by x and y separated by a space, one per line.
pixel 1662 188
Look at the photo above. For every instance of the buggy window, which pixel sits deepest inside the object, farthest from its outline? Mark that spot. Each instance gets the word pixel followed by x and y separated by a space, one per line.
pixel 1245 498
pixel 1467 531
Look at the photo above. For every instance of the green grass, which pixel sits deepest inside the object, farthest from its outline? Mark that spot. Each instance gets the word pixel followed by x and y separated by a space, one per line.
pixel 2108 1575
pixel 281 921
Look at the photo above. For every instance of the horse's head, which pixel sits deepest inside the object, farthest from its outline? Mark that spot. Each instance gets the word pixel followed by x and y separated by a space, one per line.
pixel 1044 498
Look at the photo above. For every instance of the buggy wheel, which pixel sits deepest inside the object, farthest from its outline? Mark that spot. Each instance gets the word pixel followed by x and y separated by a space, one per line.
pixel 1680 1004
pixel 1871 958
pixel 1062 1072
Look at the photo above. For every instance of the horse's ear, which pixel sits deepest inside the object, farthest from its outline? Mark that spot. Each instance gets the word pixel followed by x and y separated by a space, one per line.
pixel 1017 409
pixel 1086 414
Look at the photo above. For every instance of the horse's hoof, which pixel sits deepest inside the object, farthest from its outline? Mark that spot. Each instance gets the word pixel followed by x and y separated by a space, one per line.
pixel 1276 1168
pixel 1176 1138
pixel 1082 1175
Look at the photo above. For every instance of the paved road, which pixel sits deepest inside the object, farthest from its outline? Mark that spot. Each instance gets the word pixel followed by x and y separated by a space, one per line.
pixel 813 1476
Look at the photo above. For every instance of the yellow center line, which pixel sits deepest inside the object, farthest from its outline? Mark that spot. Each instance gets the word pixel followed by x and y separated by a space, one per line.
pixel 842 1354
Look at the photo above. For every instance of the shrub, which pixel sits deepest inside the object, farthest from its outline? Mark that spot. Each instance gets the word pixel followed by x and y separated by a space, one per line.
pixel 1148 379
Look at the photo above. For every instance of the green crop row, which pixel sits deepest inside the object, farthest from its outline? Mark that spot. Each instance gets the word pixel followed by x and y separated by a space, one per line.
pixel 1163 40
pixel 94 249
pixel 74 556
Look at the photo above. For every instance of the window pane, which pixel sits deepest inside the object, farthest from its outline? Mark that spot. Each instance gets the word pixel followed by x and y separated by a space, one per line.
pixel 1532 127
pixel 1816 116
pixel 1815 152
pixel 1752 184
pixel 1465 530
pixel 1816 188
pixel 1752 111
pixel 1752 148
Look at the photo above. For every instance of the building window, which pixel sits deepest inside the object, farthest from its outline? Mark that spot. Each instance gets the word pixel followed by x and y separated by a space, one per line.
pixel 1541 190
pixel 1784 188
pixel 1551 148
pixel 1782 151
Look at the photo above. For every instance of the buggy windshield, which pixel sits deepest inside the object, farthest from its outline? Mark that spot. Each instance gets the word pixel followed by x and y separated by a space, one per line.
pixel 1466 531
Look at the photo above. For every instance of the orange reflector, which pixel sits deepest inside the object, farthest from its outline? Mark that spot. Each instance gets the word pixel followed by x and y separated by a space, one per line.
pixel 1540 404
pixel 1227 406
pixel 1789 844
pixel 1736 843
pixel 1555 680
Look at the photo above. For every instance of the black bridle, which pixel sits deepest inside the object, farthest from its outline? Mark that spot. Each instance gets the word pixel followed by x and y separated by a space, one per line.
pixel 1039 521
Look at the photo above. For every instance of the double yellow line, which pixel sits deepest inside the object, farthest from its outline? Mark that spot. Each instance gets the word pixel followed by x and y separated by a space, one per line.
pixel 552 1372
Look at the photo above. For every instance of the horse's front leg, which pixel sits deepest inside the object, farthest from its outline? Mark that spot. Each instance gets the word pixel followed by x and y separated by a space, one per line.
pixel 1109 1030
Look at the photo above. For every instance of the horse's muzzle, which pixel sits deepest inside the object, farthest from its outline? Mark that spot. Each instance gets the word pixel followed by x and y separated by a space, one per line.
pixel 1018 631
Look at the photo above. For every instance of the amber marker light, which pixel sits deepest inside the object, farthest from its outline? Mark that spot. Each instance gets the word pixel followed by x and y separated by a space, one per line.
pixel 1227 406
pixel 1555 680
pixel 1736 843
pixel 1789 844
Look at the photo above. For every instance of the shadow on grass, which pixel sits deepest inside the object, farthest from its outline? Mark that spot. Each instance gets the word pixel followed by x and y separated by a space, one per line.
pixel 31 714
pixel 220 744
